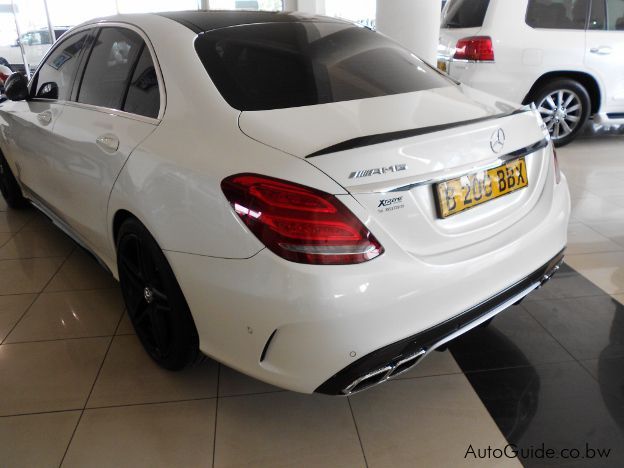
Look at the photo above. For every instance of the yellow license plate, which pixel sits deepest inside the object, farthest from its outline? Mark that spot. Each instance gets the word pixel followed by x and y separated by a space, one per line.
pixel 442 65
pixel 457 195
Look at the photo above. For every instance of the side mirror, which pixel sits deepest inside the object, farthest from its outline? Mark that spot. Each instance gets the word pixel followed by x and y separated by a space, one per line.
pixel 16 87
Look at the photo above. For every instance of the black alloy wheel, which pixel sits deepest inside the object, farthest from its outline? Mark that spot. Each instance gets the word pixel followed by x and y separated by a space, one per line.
pixel 154 300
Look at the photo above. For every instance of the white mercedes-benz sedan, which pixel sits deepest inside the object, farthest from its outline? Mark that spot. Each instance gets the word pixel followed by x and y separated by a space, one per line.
pixel 297 197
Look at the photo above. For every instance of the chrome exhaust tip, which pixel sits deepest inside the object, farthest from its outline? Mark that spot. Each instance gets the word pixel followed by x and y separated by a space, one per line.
pixel 384 373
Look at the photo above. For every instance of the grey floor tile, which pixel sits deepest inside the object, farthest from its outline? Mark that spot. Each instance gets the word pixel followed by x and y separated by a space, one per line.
pixel 70 314
pixel 50 242
pixel 232 382
pixel 36 440
pixel 587 327
pixel 50 375
pixel 12 308
pixel 565 284
pixel 162 435
pixel 285 430
pixel 27 275
pixel 12 221
pixel 129 376
pixel 430 421
pixel 81 272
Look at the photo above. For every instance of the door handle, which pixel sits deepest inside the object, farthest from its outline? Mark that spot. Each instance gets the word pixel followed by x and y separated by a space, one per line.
pixel 44 117
pixel 602 50
pixel 108 142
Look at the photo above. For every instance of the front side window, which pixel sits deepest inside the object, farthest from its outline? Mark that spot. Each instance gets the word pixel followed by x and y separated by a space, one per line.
pixel 283 65
pixel 615 14
pixel 557 14
pixel 110 67
pixel 56 76
pixel 465 14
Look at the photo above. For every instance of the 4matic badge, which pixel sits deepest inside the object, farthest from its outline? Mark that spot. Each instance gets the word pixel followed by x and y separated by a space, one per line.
pixel 378 171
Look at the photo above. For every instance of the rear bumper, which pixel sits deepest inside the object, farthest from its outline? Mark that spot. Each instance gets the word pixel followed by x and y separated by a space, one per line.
pixel 391 360
pixel 298 326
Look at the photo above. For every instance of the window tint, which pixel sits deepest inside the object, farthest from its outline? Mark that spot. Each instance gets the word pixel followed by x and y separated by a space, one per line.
pixel 465 14
pixel 55 78
pixel 143 96
pixel 615 12
pixel 110 65
pixel 557 14
pixel 598 15
pixel 281 65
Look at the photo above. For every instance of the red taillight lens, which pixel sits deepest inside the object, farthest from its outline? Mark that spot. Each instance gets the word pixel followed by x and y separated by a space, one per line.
pixel 299 223
pixel 3 77
pixel 557 168
pixel 477 48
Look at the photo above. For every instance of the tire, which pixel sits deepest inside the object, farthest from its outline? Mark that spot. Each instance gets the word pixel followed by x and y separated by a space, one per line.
pixel 9 187
pixel 565 106
pixel 154 300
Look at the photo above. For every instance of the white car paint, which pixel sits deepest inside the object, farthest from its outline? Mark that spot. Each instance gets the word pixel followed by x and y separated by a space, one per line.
pixel 524 54
pixel 319 319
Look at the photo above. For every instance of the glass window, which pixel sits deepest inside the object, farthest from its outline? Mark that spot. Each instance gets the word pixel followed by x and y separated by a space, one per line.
pixel 143 97
pixel 615 12
pixel 56 76
pixel 110 66
pixel 598 15
pixel 282 65
pixel 557 14
pixel 465 14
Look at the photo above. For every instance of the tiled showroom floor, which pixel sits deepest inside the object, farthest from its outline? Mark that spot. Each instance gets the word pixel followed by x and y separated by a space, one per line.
pixel 77 389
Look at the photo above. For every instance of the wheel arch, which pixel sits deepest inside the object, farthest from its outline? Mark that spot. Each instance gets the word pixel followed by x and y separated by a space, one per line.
pixel 120 216
pixel 588 81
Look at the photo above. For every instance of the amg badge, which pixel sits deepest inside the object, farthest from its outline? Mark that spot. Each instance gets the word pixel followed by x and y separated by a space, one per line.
pixel 378 171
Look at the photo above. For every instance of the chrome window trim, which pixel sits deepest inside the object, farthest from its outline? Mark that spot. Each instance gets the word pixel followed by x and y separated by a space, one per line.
pixel 161 82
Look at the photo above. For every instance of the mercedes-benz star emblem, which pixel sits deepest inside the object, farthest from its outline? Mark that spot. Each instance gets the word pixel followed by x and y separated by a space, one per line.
pixel 497 142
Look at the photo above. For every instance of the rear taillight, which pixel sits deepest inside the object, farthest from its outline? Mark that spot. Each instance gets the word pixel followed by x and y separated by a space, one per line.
pixel 3 77
pixel 475 48
pixel 299 223
pixel 557 168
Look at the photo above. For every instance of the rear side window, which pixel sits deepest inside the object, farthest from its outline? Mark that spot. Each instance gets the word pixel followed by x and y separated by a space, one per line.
pixel 598 15
pixel 143 96
pixel 465 14
pixel 557 14
pixel 56 76
pixel 615 14
pixel 283 65
pixel 110 67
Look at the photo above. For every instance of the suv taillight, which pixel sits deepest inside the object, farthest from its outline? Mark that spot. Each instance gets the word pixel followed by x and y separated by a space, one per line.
pixel 299 223
pixel 475 48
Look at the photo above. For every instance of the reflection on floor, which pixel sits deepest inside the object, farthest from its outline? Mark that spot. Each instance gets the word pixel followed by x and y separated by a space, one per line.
pixel 76 388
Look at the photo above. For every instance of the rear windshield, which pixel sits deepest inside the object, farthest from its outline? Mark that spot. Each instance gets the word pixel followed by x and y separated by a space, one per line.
pixel 283 65
pixel 465 14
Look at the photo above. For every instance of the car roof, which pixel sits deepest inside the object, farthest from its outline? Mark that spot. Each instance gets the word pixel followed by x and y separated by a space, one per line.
pixel 207 20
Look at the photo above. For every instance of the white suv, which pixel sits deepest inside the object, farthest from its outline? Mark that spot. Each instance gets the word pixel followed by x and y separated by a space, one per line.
pixel 567 56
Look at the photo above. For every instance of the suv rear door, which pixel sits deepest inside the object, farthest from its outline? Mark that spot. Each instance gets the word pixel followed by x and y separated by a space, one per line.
pixel 604 52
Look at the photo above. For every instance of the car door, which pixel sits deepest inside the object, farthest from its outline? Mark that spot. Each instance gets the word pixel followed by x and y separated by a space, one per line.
pixel 116 104
pixel 29 132
pixel 604 52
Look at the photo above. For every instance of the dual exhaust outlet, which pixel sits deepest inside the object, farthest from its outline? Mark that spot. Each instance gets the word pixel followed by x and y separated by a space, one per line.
pixel 384 373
